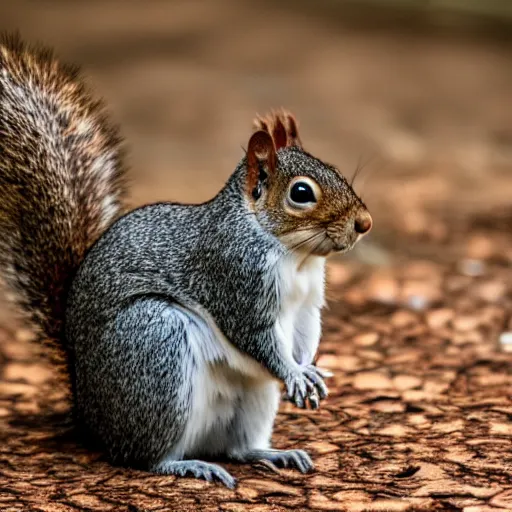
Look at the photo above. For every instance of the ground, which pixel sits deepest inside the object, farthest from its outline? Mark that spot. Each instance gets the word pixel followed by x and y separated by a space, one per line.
pixel 420 411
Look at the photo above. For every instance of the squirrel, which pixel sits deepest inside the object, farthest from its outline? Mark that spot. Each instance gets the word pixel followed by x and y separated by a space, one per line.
pixel 173 323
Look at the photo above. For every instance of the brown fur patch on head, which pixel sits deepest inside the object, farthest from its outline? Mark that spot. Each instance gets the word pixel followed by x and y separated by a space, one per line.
pixel 282 127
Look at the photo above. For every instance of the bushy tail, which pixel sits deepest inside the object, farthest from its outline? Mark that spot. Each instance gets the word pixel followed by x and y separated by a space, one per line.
pixel 61 182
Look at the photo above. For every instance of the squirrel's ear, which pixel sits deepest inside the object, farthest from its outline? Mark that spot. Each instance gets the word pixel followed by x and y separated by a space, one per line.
pixel 261 161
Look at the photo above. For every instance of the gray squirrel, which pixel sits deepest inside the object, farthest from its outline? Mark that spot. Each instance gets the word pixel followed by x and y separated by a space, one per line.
pixel 174 324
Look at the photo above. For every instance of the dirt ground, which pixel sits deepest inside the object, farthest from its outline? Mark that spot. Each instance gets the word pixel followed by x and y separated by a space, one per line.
pixel 420 411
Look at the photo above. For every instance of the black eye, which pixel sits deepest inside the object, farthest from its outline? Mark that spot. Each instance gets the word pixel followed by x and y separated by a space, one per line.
pixel 302 193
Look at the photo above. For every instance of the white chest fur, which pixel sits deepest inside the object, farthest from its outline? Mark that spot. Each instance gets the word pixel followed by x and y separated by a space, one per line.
pixel 301 295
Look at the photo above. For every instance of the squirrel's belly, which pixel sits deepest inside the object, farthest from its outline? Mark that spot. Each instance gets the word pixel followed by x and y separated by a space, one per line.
pixel 223 377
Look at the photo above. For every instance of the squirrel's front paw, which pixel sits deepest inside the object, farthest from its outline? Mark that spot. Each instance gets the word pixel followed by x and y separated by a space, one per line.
pixel 305 385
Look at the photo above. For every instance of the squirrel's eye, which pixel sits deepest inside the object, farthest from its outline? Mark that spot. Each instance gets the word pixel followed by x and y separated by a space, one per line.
pixel 302 193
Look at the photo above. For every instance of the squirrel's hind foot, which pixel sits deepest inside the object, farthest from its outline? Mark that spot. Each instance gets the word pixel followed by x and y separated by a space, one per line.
pixel 297 459
pixel 197 468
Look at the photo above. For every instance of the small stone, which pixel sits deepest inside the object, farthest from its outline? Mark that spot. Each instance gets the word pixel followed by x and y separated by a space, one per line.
pixel 388 406
pixel 472 268
pixel 505 341
pixel 395 430
pixel 345 363
pixel 370 355
pixel 355 296
pixel 464 338
pixel 419 294
pixel 492 291
pixel 439 317
pixel 382 289
pixel 448 427
pixel 367 339
pixel 323 447
pixel 465 323
pixel 417 302
pixel 418 419
pixel 502 429
pixel 480 247
pixel 403 382
pixel 403 318
pixel 338 274
pixel 372 380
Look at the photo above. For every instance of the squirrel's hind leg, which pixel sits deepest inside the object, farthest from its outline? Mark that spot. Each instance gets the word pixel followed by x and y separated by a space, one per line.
pixel 252 431
pixel 198 468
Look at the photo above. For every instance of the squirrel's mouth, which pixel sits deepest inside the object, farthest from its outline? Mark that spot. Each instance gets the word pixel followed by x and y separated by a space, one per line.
pixel 318 242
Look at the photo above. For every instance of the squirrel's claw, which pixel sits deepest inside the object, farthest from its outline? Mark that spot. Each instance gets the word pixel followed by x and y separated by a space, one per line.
pixel 306 386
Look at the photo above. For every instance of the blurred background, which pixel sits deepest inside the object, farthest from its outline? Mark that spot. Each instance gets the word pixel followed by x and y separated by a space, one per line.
pixel 418 93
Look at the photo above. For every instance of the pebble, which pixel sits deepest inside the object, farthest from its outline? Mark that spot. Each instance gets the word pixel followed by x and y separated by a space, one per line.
pixel 338 274
pixel 366 339
pixel 388 406
pixel 418 419
pixel 323 447
pixel 345 363
pixel 465 323
pixel 355 296
pixel 395 430
pixel 479 247
pixel 506 341
pixel 439 317
pixel 491 291
pixel 383 289
pixel 403 382
pixel 471 267
pixel 372 380
pixel 403 318
pixel 462 338
pixel 502 429
pixel 417 302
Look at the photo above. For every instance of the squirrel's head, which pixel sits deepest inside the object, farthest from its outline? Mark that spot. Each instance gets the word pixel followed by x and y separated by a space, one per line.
pixel 303 201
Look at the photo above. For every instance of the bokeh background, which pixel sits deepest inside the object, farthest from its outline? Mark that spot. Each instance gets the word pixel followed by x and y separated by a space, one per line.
pixel 415 93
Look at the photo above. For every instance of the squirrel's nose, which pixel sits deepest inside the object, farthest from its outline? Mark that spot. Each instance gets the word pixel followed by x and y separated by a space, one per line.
pixel 363 222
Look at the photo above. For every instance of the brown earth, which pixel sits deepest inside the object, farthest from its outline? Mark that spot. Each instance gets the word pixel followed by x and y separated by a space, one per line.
pixel 420 411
